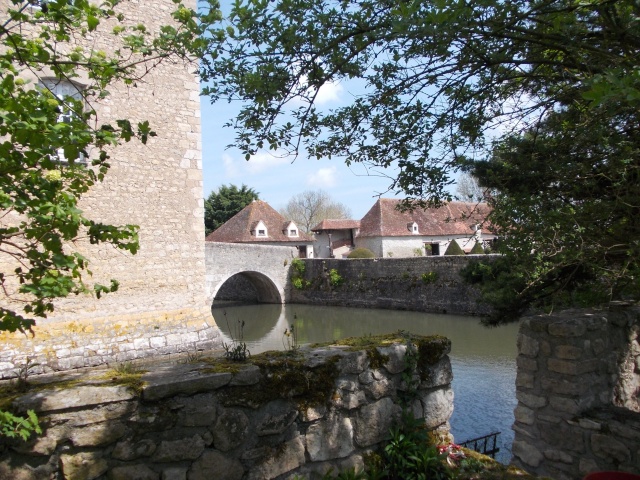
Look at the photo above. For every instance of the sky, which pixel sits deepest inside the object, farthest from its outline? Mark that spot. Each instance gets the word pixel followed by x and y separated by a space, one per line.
pixel 278 179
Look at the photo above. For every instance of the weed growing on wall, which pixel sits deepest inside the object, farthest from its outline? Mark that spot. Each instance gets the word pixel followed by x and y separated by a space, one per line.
pixel 335 279
pixel 297 274
pixel 429 277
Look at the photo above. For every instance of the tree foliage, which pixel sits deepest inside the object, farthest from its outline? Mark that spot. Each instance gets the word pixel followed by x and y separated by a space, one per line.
pixel 220 206
pixel 310 207
pixel 54 148
pixel 537 99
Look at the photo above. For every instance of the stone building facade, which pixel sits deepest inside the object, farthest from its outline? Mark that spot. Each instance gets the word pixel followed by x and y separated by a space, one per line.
pixel 157 186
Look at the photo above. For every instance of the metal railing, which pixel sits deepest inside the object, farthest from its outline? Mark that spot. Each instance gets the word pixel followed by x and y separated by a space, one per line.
pixel 487 445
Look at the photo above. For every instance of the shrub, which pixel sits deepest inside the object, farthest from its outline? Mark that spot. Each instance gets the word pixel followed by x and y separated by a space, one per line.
pixel 361 253
pixel 454 249
pixel 477 249
pixel 334 278
pixel 429 277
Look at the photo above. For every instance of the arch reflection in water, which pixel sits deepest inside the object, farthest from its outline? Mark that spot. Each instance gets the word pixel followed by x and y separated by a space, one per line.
pixel 483 359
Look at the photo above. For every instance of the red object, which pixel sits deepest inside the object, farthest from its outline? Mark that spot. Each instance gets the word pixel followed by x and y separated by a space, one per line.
pixel 612 476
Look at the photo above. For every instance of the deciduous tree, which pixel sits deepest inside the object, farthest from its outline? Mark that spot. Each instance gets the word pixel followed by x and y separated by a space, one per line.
pixel 310 207
pixel 539 99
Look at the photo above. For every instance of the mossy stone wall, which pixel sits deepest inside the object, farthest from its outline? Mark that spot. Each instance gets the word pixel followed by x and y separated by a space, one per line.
pixel 281 414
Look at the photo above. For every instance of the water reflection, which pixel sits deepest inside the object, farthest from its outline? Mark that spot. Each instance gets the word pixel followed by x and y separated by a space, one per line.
pixel 483 359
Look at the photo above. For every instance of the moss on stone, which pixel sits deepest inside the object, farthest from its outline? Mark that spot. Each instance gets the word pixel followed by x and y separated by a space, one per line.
pixel 286 376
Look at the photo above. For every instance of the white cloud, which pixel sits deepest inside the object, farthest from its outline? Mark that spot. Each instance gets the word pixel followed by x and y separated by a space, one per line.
pixel 238 166
pixel 329 92
pixel 323 178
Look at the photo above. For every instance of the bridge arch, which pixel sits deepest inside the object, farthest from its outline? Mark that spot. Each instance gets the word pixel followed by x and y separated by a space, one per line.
pixel 266 267
pixel 266 289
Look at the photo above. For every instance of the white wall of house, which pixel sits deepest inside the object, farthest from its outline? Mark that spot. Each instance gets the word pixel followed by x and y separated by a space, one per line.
pixel 338 237
pixel 409 246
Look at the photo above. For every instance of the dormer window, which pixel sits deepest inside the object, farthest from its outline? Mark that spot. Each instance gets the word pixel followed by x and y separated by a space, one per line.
pixel 290 230
pixel 260 230
pixel 413 228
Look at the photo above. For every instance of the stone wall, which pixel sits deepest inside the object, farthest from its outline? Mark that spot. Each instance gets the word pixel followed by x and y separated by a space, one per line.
pixel 157 186
pixel 578 390
pixel 304 414
pixel 98 341
pixel 424 284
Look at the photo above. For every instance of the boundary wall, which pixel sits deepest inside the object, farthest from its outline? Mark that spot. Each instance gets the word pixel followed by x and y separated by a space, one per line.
pixel 424 284
pixel 578 390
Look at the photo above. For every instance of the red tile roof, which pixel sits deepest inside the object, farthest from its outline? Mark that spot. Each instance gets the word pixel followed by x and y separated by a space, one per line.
pixel 336 224
pixel 238 229
pixel 454 218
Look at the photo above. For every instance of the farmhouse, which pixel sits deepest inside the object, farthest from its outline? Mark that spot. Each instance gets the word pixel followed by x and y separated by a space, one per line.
pixel 259 223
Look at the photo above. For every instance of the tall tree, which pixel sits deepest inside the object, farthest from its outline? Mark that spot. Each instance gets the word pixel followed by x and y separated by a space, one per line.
pixel 53 148
pixel 309 208
pixel 451 85
pixel 220 206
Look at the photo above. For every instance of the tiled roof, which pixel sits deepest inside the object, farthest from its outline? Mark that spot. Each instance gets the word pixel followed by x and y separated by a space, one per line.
pixel 341 224
pixel 238 229
pixel 454 218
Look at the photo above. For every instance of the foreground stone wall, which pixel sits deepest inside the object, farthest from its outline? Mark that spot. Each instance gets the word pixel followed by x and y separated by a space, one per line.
pixel 283 415
pixel 423 284
pixel 578 390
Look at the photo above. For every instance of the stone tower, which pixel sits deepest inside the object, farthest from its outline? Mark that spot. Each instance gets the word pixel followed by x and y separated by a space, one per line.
pixel 160 306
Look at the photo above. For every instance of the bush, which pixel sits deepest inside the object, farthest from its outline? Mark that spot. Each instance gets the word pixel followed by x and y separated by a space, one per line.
pixel 361 253
pixel 454 249
pixel 477 249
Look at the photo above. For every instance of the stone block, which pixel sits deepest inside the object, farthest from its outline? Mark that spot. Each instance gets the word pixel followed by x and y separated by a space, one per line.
pixel 396 362
pixel 567 328
pixel 249 375
pixel 275 418
pixel 526 364
pixel 83 465
pixel 561 436
pixel 437 406
pixel 78 397
pixel 213 464
pixel 568 352
pixel 568 367
pixel 231 429
pixel 353 362
pixel 290 457
pixel 563 386
pixel 179 450
pixel 128 450
pixel 373 422
pixel 530 400
pixel 174 473
pixel 609 448
pixel 97 435
pixel 330 438
pixel 181 379
pixel 558 456
pixel 438 374
pixel 527 453
pixel 527 345
pixel 524 415
pixel 137 472
pixel 525 379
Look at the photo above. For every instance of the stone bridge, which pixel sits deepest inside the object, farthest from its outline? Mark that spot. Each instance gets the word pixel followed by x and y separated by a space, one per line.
pixel 266 267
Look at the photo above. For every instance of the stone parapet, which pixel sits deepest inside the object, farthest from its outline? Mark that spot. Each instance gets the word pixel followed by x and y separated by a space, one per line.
pixel 57 346
pixel 578 390
pixel 301 413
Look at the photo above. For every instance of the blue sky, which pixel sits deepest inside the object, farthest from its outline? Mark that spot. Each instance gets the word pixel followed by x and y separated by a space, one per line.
pixel 278 179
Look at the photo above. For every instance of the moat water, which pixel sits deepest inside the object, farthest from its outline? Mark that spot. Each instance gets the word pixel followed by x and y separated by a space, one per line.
pixel 483 359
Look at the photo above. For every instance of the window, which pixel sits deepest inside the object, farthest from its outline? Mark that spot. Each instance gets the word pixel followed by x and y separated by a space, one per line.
pixel 413 228
pixel 293 233
pixel 63 90
pixel 262 233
